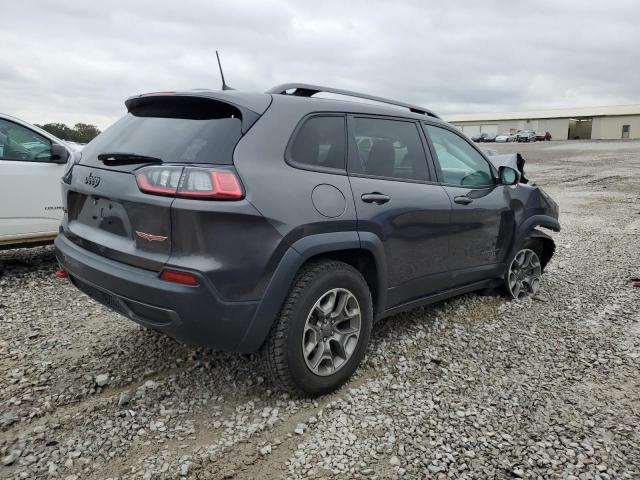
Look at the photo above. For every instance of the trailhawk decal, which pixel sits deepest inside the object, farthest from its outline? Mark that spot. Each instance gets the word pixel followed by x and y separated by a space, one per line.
pixel 150 237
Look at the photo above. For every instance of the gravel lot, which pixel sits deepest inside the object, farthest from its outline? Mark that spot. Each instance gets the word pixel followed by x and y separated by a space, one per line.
pixel 475 387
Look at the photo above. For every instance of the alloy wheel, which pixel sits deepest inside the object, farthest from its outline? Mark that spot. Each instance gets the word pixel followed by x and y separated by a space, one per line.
pixel 523 278
pixel 331 331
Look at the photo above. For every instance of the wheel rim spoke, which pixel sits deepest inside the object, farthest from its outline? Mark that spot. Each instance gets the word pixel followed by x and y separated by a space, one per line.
pixel 340 304
pixel 312 338
pixel 318 356
pixel 535 285
pixel 519 259
pixel 516 290
pixel 338 346
pixel 347 330
pixel 325 305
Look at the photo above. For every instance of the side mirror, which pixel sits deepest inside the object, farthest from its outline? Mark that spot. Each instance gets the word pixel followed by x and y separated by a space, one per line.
pixel 59 154
pixel 509 176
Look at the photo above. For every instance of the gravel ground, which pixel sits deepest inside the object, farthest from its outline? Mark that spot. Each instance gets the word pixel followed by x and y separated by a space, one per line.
pixel 475 387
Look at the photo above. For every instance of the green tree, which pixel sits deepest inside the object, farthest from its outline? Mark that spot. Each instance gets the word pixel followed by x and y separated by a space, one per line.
pixel 81 132
pixel 60 130
pixel 85 132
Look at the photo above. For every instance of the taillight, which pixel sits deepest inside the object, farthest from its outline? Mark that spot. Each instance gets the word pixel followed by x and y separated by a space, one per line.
pixel 190 182
pixel 175 276
pixel 62 273
pixel 205 183
pixel 159 180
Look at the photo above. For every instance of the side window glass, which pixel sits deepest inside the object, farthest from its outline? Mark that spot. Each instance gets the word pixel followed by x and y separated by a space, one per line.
pixel 320 142
pixel 20 143
pixel 459 162
pixel 388 148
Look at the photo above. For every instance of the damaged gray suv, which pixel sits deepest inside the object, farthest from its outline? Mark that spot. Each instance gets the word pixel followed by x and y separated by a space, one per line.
pixel 286 224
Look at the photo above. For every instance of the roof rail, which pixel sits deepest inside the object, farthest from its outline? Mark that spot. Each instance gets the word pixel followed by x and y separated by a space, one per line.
pixel 306 90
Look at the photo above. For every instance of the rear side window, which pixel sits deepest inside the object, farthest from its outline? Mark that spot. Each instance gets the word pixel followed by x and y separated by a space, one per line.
pixel 177 130
pixel 388 148
pixel 320 144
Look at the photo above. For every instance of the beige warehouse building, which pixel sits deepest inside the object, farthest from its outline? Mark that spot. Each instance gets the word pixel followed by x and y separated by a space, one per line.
pixel 601 123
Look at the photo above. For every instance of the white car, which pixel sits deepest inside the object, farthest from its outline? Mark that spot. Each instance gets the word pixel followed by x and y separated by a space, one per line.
pixel 506 137
pixel 32 161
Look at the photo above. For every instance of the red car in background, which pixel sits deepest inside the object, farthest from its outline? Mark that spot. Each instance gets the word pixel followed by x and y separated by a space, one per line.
pixel 541 136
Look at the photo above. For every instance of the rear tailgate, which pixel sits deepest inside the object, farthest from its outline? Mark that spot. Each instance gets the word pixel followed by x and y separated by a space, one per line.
pixel 107 213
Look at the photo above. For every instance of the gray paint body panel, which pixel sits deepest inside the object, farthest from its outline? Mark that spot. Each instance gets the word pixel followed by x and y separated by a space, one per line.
pixel 248 253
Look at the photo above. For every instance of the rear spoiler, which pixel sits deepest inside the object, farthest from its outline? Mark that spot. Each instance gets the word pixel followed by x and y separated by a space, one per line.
pixel 198 105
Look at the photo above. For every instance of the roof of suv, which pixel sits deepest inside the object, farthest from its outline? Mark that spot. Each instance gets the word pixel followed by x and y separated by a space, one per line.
pixel 259 102
pixel 306 90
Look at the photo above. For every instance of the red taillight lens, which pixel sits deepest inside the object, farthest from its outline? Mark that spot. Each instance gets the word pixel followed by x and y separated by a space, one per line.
pixel 159 180
pixel 214 184
pixel 190 182
pixel 179 277
pixel 62 273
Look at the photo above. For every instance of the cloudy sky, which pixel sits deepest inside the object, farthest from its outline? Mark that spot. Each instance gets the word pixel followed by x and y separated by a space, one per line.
pixel 77 60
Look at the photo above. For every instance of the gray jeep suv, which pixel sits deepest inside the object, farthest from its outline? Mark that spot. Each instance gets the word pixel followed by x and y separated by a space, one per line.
pixel 286 223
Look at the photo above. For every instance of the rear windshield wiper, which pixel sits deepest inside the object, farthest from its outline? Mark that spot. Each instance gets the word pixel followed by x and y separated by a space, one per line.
pixel 124 158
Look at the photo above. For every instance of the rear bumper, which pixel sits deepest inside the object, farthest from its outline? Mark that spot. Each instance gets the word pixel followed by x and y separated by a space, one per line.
pixel 190 314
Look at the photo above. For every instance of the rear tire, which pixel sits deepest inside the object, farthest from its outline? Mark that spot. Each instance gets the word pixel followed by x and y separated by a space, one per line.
pixel 325 322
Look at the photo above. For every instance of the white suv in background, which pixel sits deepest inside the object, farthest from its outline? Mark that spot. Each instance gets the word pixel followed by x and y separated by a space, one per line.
pixel 32 161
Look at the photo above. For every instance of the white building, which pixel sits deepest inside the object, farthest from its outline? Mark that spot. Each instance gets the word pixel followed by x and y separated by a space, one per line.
pixel 621 121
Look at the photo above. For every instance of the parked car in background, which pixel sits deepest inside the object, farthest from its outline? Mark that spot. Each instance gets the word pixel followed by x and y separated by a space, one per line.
pixel 490 137
pixel 176 217
pixel 543 136
pixel 479 137
pixel 32 161
pixel 526 136
pixel 506 137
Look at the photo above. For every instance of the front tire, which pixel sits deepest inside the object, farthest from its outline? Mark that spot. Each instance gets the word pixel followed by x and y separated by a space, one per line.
pixel 322 331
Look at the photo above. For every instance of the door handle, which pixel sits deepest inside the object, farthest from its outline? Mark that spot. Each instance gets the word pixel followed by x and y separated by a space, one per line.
pixel 375 197
pixel 462 200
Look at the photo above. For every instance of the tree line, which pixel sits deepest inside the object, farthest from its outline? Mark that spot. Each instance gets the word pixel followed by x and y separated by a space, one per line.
pixel 80 132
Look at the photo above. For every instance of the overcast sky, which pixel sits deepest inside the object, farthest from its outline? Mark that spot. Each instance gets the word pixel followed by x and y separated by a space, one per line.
pixel 77 60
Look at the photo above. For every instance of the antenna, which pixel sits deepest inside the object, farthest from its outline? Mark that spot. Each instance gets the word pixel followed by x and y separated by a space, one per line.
pixel 224 84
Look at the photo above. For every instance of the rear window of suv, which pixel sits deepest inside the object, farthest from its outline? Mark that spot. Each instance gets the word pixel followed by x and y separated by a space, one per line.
pixel 319 144
pixel 179 130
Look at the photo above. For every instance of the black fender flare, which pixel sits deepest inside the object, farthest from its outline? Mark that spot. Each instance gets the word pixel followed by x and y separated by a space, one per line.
pixel 289 266
pixel 528 229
